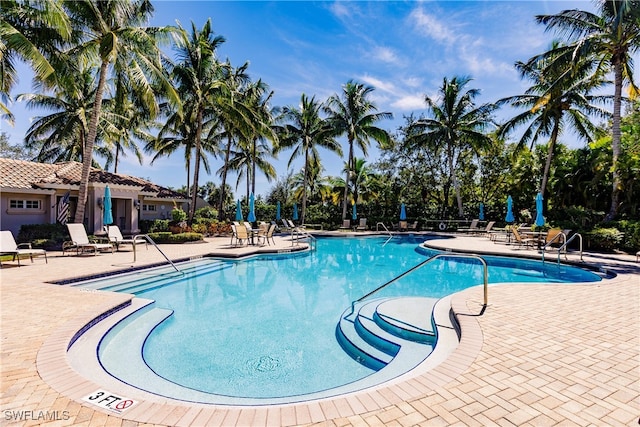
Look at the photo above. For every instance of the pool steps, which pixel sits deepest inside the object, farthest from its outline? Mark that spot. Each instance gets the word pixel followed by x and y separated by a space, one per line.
pixel 154 280
pixel 376 331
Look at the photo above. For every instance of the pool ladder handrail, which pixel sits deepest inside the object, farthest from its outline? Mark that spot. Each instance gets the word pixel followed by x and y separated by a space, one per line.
pixel 385 229
pixel 150 240
pixel 563 248
pixel 425 262
pixel 297 231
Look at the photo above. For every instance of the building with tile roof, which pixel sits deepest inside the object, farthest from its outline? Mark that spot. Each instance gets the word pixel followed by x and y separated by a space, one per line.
pixel 44 193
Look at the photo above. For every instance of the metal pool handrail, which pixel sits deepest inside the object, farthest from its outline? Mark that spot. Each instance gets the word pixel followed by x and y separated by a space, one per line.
pixel 385 229
pixel 564 247
pixel 428 260
pixel 150 240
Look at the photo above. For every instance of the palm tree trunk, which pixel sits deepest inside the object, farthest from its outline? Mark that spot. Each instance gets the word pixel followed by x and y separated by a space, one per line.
pixel 253 167
pixel 615 143
pixel 547 164
pixel 346 180
pixel 223 185
pixel 87 151
pixel 304 184
pixel 454 181
pixel 196 169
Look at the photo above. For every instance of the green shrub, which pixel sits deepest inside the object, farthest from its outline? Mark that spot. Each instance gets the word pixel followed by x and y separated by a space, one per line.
pixel 168 237
pixel 153 226
pixel 206 212
pixel 44 236
pixel 178 215
pixel 631 238
pixel 605 238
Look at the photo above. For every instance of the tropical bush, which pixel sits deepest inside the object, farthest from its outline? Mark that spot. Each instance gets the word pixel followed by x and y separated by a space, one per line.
pixel 168 237
pixel 44 236
pixel 605 238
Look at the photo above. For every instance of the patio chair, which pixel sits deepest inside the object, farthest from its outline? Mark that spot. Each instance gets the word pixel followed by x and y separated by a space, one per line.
pixel 413 226
pixel 346 224
pixel 268 235
pixel 522 241
pixel 402 225
pixel 473 227
pixel 115 236
pixel 240 233
pixel 80 241
pixel 8 246
pixel 362 225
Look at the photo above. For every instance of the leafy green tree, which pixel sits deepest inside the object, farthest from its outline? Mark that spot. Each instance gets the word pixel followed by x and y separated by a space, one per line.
pixel 610 39
pixel 555 101
pixel 305 131
pixel 456 124
pixel 11 151
pixel 354 114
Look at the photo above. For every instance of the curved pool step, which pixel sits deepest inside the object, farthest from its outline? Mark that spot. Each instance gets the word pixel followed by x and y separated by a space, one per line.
pixel 388 331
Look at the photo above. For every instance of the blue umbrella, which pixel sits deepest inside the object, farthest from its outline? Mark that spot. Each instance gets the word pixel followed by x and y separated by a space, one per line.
pixel 539 217
pixel 509 217
pixel 252 209
pixel 403 213
pixel 278 211
pixel 238 211
pixel 107 216
pixel 354 214
pixel 295 211
pixel 481 214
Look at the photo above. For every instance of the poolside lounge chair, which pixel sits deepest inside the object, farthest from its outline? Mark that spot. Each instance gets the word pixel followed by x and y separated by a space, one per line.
pixel 115 236
pixel 402 225
pixel 362 225
pixel 80 241
pixel 413 226
pixel 473 227
pixel 8 246
pixel 346 224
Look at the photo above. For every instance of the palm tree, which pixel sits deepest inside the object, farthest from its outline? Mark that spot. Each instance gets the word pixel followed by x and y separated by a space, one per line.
pixel 355 115
pixel 245 161
pixel 305 131
pixel 112 32
pixel 28 32
pixel 555 100
pixel 197 75
pixel 611 39
pixel 455 123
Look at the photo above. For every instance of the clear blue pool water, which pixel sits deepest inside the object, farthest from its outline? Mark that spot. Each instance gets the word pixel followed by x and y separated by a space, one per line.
pixel 265 327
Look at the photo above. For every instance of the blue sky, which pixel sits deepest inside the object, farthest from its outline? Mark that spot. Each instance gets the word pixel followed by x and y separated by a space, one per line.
pixel 403 49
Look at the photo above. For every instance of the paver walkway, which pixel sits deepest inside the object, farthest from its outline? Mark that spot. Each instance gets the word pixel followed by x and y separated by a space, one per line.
pixel 538 355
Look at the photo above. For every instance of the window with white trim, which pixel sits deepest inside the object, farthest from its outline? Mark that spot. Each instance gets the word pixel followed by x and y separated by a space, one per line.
pixel 149 208
pixel 25 204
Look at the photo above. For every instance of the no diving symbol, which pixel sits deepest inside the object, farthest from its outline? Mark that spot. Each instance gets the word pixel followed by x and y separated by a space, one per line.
pixel 124 404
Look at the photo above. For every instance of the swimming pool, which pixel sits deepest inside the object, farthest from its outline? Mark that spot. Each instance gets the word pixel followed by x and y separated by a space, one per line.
pixel 264 329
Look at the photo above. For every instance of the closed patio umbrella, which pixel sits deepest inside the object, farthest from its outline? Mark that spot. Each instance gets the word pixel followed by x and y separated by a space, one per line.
pixel 509 217
pixel 295 211
pixel 354 213
pixel 278 211
pixel 539 218
pixel 403 213
pixel 252 209
pixel 238 211
pixel 481 214
pixel 107 215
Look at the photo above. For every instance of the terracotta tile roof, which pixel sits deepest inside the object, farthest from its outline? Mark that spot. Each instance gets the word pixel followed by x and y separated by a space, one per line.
pixel 31 175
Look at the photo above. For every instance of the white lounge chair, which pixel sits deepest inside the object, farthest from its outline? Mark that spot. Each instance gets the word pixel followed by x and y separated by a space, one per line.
pixel 362 225
pixel 80 241
pixel 115 237
pixel 8 246
pixel 473 227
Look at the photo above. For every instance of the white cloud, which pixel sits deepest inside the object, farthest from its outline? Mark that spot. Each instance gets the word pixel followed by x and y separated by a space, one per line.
pixel 430 26
pixel 379 84
pixel 409 102
pixel 386 54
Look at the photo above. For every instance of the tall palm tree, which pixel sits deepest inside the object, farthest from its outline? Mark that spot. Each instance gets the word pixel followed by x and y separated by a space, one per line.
pixel 305 131
pixel 355 115
pixel 454 122
pixel 112 32
pixel 247 159
pixel 197 75
pixel 610 38
pixel 556 99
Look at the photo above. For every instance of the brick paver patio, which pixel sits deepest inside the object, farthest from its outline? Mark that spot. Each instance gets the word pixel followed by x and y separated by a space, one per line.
pixel 538 355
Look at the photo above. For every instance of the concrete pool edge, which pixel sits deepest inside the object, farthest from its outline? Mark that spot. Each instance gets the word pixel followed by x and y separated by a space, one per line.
pixel 54 367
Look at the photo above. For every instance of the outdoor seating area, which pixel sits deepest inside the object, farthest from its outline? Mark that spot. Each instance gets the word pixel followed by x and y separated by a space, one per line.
pixel 81 244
